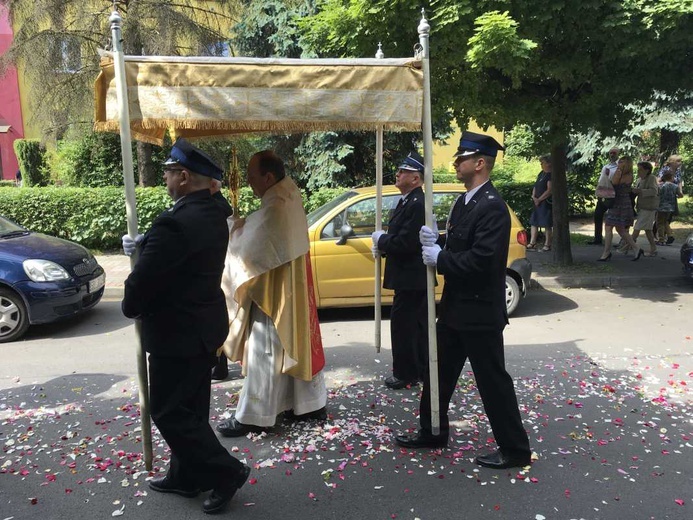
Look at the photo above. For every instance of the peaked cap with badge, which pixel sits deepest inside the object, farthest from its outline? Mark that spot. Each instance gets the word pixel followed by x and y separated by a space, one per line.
pixel 194 159
pixel 413 162
pixel 472 143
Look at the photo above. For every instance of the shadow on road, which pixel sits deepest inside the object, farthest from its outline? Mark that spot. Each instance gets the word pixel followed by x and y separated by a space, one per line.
pixel 105 317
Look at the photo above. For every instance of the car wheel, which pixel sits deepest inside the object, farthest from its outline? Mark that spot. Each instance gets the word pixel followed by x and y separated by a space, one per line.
pixel 512 294
pixel 14 318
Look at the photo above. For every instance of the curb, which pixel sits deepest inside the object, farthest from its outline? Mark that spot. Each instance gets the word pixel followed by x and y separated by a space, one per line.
pixel 113 293
pixel 600 281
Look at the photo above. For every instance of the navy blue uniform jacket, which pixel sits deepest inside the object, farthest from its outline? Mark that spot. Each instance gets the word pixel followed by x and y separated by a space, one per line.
pixel 175 286
pixel 404 269
pixel 473 263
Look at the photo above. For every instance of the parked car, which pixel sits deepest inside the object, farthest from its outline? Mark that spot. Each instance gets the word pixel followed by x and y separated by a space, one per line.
pixel 340 247
pixel 687 255
pixel 43 279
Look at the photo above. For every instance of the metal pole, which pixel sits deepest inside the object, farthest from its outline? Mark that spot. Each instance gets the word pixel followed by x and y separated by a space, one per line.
pixel 131 213
pixel 378 225
pixel 424 30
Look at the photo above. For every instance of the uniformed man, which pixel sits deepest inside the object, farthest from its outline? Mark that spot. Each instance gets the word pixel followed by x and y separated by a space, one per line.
pixel 406 275
pixel 472 312
pixel 220 371
pixel 175 290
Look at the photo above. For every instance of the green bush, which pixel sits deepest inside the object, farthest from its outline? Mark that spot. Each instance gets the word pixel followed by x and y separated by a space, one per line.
pixel 31 156
pixel 7 184
pixel 93 161
pixel 94 217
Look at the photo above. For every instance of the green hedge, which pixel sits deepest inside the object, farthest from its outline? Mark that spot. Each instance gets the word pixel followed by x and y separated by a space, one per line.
pixel 95 217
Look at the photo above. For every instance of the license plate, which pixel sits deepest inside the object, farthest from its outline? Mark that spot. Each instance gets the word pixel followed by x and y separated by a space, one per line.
pixel 97 283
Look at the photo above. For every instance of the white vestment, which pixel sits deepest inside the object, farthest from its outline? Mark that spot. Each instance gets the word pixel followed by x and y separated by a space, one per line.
pixel 266 390
pixel 266 281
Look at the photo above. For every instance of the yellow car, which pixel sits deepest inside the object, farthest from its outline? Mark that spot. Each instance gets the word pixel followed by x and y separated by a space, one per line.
pixel 340 247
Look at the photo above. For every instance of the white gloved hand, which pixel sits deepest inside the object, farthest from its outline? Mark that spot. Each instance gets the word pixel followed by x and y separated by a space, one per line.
pixel 130 244
pixel 376 236
pixel 428 236
pixel 375 251
pixel 429 254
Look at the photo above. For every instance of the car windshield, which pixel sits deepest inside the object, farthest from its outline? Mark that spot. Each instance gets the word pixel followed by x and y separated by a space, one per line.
pixel 9 228
pixel 316 214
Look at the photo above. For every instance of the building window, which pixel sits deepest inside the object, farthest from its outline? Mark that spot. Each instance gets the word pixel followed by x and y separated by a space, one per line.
pixel 66 53
pixel 220 49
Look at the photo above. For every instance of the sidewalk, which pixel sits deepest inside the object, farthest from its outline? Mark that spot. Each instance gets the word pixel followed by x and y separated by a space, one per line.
pixel 586 272
pixel 621 271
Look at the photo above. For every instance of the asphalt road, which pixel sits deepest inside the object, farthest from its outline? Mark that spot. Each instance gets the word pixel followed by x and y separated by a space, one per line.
pixel 604 379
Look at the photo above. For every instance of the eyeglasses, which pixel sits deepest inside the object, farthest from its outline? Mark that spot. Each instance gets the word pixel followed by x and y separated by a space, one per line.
pixel 173 170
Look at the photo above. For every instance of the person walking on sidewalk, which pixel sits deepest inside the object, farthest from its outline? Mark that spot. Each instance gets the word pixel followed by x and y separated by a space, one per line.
pixel 175 291
pixel 600 209
pixel 668 193
pixel 647 192
pixel 406 275
pixel 542 214
pixel 674 165
pixel 621 216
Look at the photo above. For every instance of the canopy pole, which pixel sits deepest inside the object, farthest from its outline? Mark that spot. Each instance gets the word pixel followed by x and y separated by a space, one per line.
pixel 424 30
pixel 131 213
pixel 378 225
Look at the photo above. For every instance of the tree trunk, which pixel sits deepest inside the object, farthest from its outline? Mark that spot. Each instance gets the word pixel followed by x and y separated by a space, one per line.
pixel 559 192
pixel 668 144
pixel 145 167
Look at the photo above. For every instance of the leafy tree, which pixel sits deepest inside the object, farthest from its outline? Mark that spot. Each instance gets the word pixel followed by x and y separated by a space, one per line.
pixel 321 159
pixel 56 41
pixel 564 66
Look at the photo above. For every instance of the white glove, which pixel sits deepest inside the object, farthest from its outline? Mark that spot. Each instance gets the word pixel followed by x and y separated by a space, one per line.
pixel 375 251
pixel 376 236
pixel 429 254
pixel 428 236
pixel 130 244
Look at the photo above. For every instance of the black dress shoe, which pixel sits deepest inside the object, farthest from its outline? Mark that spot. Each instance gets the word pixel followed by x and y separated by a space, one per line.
pixel 222 495
pixel 168 485
pixel 594 243
pixel 221 369
pixel 397 384
pixel 233 428
pixel 421 440
pixel 496 460
pixel 316 415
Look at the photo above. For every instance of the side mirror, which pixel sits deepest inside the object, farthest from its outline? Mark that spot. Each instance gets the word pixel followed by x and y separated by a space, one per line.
pixel 345 231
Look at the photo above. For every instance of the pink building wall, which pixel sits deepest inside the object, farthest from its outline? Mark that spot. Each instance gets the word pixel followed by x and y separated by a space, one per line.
pixel 10 105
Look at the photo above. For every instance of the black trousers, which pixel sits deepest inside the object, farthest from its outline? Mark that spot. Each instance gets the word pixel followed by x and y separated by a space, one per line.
pixel 409 334
pixel 179 400
pixel 486 355
pixel 599 211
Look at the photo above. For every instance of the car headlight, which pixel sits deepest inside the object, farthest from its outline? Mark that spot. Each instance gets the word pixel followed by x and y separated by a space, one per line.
pixel 44 271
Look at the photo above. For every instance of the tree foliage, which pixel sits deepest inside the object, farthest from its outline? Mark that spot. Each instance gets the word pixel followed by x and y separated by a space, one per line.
pixel 563 66
pixel 56 41
pixel 31 156
pixel 270 28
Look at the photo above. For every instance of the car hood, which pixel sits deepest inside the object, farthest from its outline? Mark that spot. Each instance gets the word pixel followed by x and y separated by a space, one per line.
pixel 45 247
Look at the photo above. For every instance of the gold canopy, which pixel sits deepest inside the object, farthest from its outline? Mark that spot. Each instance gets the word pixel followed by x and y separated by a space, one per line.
pixel 195 97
